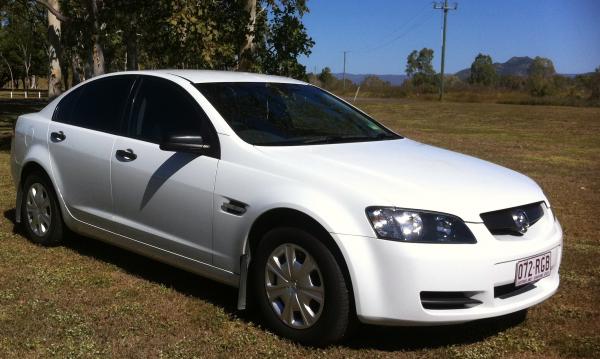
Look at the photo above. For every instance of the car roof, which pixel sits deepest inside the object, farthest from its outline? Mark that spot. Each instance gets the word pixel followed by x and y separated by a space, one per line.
pixel 194 76
pixel 202 76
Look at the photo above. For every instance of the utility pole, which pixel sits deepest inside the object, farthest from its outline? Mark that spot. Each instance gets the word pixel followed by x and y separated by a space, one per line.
pixel 344 73
pixel 444 6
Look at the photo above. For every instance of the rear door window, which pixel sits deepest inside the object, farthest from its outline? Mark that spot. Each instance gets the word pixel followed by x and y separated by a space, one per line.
pixel 98 105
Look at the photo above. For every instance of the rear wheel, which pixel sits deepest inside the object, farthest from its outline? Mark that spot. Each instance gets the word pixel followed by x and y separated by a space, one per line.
pixel 300 288
pixel 40 212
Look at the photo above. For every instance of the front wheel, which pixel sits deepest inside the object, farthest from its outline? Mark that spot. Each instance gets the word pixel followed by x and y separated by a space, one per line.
pixel 41 217
pixel 300 287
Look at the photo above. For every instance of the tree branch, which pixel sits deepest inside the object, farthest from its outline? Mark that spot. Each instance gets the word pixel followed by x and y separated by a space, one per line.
pixel 54 12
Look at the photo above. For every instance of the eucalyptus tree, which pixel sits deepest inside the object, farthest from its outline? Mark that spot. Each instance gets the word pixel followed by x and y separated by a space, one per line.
pixel 22 44
pixel 483 71
pixel 86 38
pixel 419 67
pixel 53 49
pixel 540 76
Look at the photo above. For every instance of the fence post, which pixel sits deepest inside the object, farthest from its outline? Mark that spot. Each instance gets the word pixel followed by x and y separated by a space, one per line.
pixel 356 94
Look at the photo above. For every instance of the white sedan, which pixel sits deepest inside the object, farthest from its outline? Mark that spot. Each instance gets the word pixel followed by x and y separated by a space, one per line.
pixel 308 205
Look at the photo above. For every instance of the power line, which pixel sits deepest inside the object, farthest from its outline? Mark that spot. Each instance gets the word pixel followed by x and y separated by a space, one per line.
pixel 403 25
pixel 414 27
pixel 444 6
pixel 428 16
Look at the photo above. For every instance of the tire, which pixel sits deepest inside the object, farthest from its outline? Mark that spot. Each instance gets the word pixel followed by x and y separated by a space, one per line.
pixel 326 321
pixel 40 212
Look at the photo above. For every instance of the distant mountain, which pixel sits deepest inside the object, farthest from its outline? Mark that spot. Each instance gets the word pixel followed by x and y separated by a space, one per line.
pixel 516 66
pixel 395 80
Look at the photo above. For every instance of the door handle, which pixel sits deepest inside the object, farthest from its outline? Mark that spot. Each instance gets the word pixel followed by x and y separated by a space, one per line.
pixel 57 136
pixel 126 155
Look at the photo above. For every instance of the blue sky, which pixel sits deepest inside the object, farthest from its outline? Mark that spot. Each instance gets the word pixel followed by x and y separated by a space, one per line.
pixel 381 33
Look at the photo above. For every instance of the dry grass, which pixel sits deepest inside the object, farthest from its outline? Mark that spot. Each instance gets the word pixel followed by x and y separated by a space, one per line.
pixel 88 299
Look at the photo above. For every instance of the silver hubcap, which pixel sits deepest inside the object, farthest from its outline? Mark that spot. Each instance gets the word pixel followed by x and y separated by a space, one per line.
pixel 294 286
pixel 39 211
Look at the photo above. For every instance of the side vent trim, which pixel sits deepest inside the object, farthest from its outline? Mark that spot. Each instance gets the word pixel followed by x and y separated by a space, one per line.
pixel 234 207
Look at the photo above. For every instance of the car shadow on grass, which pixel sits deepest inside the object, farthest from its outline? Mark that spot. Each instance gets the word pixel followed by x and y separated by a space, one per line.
pixel 431 337
pixel 364 337
pixel 147 268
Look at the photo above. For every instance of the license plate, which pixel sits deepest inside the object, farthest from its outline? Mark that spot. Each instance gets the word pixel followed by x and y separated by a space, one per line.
pixel 532 269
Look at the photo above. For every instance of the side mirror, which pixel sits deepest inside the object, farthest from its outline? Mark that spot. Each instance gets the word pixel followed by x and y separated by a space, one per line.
pixel 190 144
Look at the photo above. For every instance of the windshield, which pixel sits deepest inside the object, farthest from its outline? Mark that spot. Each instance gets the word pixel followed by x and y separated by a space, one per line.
pixel 281 114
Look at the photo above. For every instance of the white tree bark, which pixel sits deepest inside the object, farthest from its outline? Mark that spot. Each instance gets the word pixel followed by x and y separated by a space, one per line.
pixel 247 50
pixel 26 58
pixel 12 79
pixel 54 33
pixel 97 50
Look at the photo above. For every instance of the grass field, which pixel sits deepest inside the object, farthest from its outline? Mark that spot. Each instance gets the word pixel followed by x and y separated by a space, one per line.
pixel 88 299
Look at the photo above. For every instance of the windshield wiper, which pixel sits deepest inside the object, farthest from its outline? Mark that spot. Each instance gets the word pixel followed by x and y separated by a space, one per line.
pixel 350 138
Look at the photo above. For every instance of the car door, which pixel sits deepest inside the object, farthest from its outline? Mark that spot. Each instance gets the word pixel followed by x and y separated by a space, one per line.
pixel 81 136
pixel 165 198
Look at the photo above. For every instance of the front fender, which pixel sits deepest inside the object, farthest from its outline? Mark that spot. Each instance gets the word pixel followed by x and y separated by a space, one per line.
pixel 262 192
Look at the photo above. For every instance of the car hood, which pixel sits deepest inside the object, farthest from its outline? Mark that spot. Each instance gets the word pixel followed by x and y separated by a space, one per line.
pixel 408 174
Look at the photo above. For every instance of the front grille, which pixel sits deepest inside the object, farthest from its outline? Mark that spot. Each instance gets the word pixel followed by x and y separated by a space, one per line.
pixel 448 300
pixel 502 222
pixel 510 290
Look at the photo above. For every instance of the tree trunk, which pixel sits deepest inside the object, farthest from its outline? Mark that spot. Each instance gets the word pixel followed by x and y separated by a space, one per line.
pixel 98 54
pixel 26 66
pixel 66 75
pixel 54 52
pixel 65 72
pixel 131 54
pixel 76 69
pixel 88 66
pixel 247 50
pixel 12 79
pixel 97 50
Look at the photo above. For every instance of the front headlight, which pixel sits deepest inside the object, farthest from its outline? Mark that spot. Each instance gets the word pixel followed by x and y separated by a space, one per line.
pixel 408 225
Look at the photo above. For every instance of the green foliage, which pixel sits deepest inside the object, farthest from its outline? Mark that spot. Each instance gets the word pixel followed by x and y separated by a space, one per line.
pixel 326 78
pixel 591 82
pixel 159 34
pixel 285 39
pixel 420 71
pixel 512 82
pixel 540 77
pixel 483 71
pixel 22 41
pixel 419 62
pixel 209 34
pixel 202 34
pixel 136 34
pixel 329 82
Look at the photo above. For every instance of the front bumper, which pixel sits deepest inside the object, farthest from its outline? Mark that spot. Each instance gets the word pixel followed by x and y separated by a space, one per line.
pixel 388 277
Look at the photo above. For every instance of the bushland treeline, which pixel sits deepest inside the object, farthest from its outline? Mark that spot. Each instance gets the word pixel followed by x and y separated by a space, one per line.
pixel 68 41
pixel 541 84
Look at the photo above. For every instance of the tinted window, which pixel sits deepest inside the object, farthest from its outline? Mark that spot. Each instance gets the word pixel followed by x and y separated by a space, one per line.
pixel 162 108
pixel 98 105
pixel 66 105
pixel 288 114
